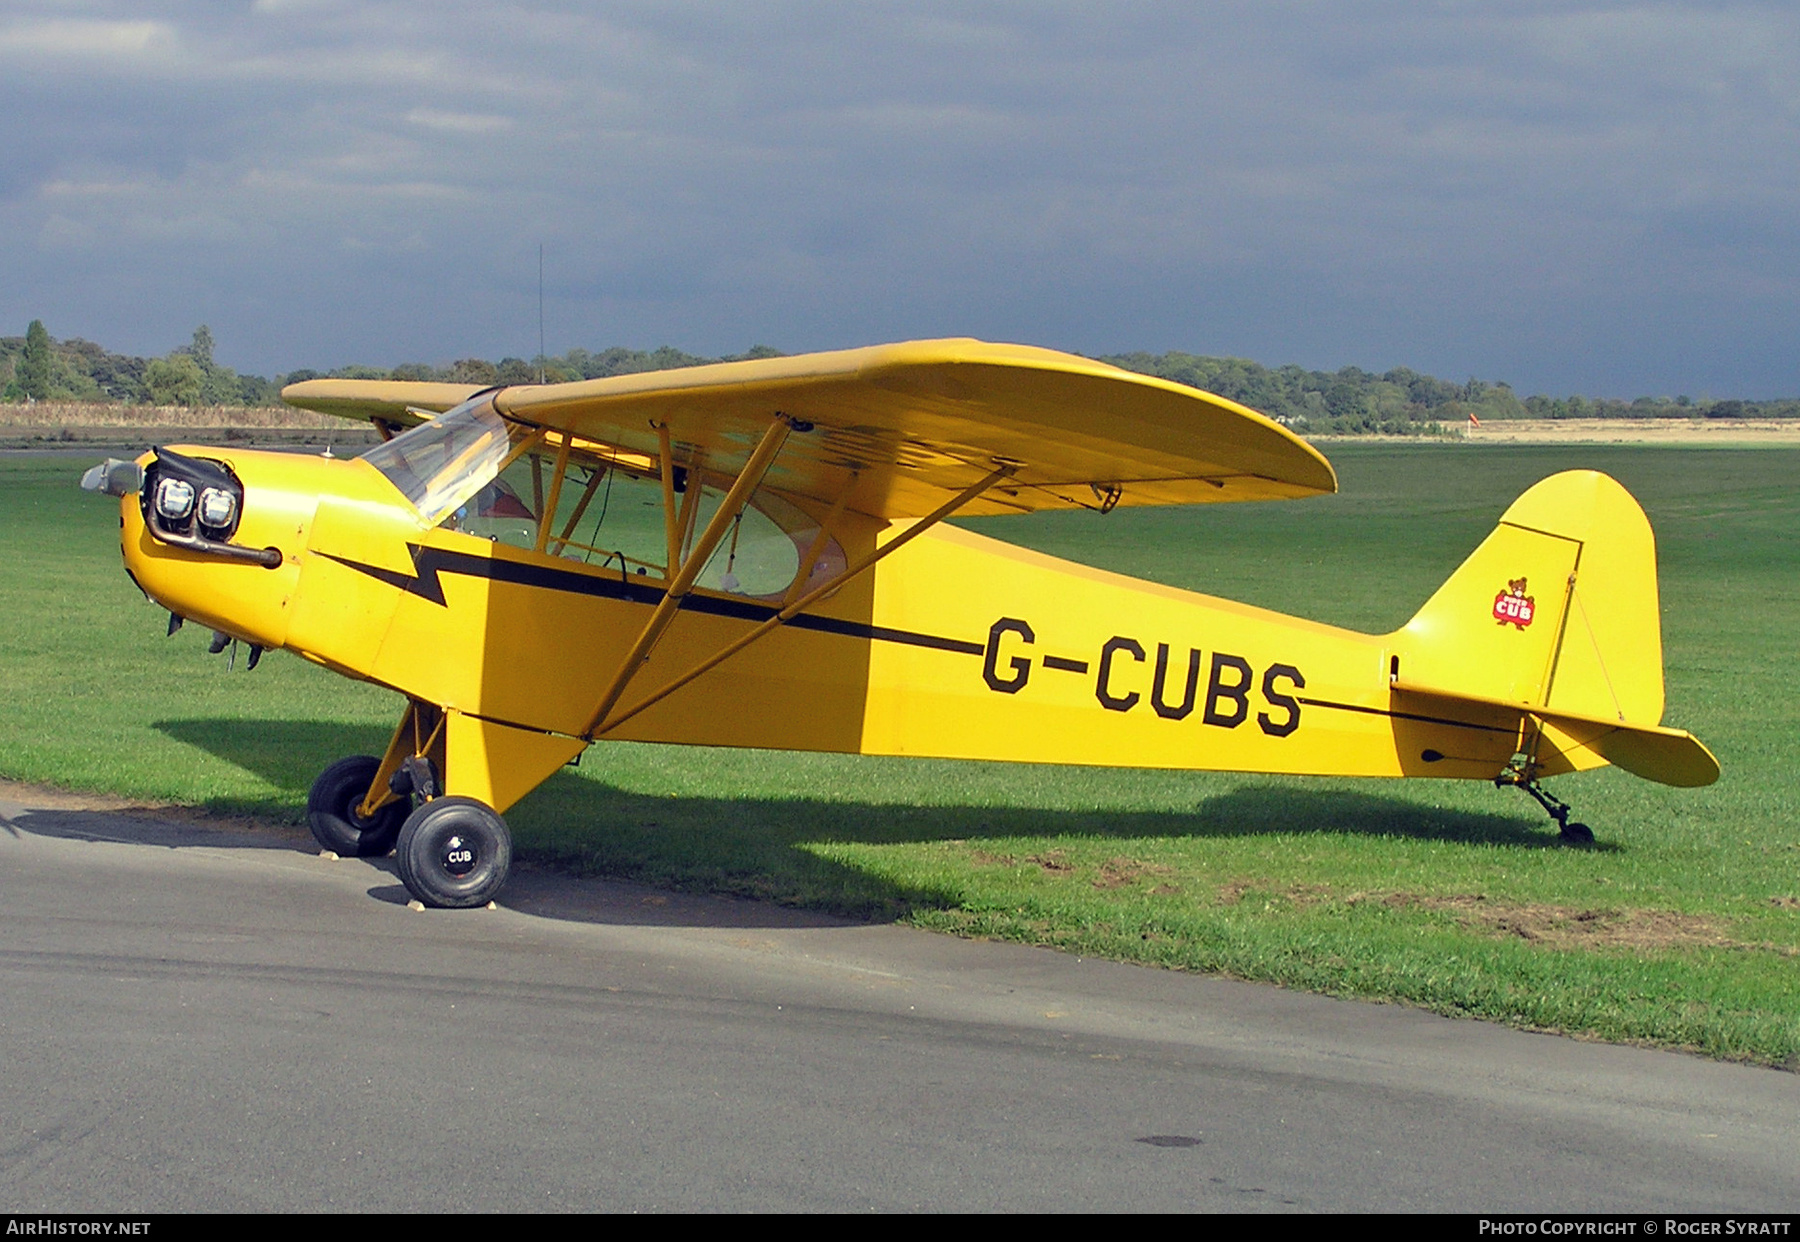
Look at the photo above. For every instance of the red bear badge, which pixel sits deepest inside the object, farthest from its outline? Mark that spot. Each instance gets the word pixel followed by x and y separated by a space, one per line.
pixel 1513 607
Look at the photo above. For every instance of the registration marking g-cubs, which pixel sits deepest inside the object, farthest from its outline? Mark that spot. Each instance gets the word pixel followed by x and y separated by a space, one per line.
pixel 1006 667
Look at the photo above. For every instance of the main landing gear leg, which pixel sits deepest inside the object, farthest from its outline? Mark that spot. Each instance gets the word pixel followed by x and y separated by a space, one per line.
pixel 1558 810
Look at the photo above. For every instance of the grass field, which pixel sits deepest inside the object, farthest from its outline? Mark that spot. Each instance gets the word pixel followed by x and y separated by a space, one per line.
pixel 1680 927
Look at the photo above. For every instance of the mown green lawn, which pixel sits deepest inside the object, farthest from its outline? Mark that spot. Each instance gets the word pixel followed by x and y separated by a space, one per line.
pixel 1680 927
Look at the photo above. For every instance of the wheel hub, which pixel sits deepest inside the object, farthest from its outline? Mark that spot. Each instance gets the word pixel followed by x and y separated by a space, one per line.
pixel 459 856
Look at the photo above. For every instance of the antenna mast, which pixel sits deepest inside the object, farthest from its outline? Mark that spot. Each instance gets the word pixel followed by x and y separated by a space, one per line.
pixel 540 312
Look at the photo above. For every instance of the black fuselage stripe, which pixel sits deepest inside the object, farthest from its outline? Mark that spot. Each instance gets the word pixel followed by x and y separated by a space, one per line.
pixel 1393 715
pixel 430 562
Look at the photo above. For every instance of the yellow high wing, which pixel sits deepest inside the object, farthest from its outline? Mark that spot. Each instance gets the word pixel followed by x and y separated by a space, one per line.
pixel 905 426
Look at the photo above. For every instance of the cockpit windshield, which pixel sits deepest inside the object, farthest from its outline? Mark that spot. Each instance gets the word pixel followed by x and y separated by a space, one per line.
pixel 440 464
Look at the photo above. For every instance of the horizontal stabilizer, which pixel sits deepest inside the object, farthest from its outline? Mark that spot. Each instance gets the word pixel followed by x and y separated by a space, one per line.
pixel 1666 756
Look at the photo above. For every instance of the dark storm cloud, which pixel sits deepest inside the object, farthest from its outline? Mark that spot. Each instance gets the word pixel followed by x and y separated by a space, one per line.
pixel 1572 196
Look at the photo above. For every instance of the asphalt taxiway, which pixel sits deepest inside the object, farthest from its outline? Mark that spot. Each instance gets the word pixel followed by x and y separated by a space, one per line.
pixel 196 1016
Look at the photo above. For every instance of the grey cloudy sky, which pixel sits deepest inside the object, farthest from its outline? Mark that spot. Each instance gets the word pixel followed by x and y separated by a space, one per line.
pixel 1593 197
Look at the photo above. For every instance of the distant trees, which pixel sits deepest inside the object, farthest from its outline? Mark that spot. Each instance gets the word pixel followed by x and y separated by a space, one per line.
pixel 577 364
pixel 472 371
pixel 218 386
pixel 1399 401
pixel 36 365
pixel 175 380
pixel 516 371
pixel 1350 399
pixel 39 367
pixel 1402 400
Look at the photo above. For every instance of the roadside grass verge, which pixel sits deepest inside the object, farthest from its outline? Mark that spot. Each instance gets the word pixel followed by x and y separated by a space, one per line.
pixel 1681 927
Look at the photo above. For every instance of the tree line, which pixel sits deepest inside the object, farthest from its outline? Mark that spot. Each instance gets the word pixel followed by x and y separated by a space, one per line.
pixel 1403 401
pixel 37 367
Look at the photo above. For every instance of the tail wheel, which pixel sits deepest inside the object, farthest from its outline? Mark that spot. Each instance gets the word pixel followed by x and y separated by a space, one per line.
pixel 331 810
pixel 1576 834
pixel 454 853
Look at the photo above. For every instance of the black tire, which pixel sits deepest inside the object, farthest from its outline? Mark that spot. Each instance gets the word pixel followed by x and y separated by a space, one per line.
pixel 331 810
pixel 1577 834
pixel 454 853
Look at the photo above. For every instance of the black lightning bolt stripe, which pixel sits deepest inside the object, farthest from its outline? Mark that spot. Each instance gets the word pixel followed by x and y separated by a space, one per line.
pixel 428 563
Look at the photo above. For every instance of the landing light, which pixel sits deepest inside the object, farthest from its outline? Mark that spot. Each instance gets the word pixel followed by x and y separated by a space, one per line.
pixel 217 506
pixel 175 499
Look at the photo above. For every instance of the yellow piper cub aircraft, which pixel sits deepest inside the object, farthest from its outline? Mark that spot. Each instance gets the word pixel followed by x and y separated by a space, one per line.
pixel 753 554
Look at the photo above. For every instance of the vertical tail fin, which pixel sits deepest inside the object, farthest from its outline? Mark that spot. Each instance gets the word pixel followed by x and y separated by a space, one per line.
pixel 1556 611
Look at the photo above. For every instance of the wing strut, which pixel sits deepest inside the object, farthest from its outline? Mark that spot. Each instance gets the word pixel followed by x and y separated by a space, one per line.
pixel 557 475
pixel 735 500
pixel 671 523
pixel 827 528
pixel 787 613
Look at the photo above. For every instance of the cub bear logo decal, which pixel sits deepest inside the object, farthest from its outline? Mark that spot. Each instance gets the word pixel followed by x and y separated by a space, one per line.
pixel 1513 607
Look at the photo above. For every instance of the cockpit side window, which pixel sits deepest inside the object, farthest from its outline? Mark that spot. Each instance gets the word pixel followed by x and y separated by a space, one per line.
pixel 470 470
pixel 611 513
pixel 765 548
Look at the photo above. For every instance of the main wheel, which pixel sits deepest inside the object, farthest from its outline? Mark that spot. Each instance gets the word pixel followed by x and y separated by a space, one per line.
pixel 454 853
pixel 1577 834
pixel 331 810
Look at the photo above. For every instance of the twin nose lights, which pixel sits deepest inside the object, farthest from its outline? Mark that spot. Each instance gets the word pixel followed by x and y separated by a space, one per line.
pixel 175 503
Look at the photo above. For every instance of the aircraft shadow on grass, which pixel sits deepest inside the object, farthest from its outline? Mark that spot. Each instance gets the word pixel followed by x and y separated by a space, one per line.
pixel 737 844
